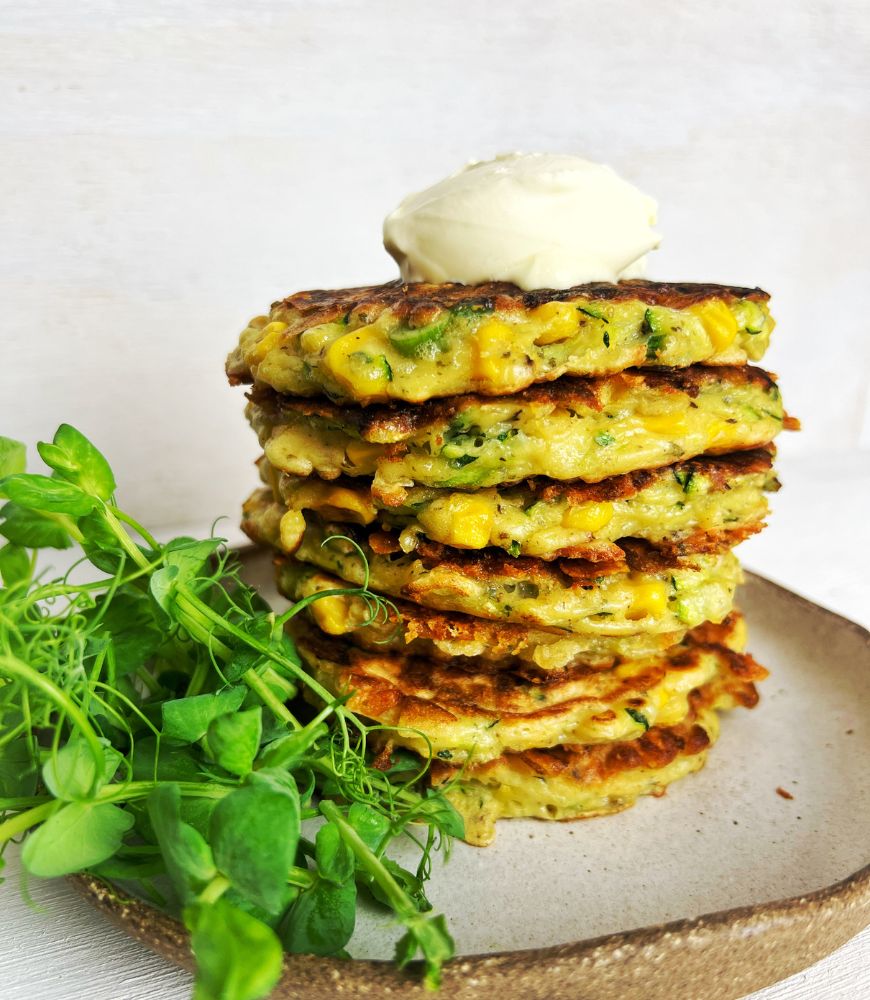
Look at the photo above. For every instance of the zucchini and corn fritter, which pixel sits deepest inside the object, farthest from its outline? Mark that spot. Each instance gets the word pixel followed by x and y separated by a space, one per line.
pixel 547 486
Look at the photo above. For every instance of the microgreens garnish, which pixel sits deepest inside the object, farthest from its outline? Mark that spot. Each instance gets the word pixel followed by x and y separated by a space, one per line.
pixel 148 733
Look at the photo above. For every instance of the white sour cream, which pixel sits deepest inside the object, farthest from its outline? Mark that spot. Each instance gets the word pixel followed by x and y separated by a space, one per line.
pixel 538 220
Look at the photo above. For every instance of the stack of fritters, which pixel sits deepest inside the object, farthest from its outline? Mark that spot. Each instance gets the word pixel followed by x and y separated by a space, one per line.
pixel 547 486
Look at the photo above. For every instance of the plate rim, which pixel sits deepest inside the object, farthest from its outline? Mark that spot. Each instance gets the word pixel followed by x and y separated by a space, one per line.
pixel 774 931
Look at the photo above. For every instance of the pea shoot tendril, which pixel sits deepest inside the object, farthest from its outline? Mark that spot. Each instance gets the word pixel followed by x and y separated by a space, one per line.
pixel 149 734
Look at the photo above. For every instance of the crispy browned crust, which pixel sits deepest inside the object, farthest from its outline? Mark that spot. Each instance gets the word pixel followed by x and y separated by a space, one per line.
pixel 610 557
pixel 415 691
pixel 397 421
pixel 502 640
pixel 419 303
pixel 719 469
pixel 594 763
pixel 635 554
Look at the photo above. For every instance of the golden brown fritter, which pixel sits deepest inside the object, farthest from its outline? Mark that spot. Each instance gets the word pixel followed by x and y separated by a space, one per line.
pixel 587 429
pixel 415 342
pixel 645 591
pixel 578 782
pixel 439 635
pixel 700 505
pixel 456 712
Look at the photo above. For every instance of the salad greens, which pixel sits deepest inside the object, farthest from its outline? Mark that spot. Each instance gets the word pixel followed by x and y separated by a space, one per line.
pixel 149 734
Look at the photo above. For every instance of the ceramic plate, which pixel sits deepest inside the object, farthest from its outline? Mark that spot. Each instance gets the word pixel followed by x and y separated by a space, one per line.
pixel 741 875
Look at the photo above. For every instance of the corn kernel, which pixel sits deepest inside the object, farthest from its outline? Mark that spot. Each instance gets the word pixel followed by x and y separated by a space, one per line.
pixel 719 322
pixel 258 322
pixel 315 338
pixel 649 597
pixel 560 319
pixel 291 529
pixel 331 615
pixel 362 454
pixel 494 342
pixel 348 503
pixel 720 433
pixel 370 376
pixel 667 424
pixel 462 520
pixel 588 516
pixel 270 337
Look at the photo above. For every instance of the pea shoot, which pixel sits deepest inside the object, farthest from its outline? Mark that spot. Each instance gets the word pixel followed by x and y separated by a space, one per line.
pixel 148 734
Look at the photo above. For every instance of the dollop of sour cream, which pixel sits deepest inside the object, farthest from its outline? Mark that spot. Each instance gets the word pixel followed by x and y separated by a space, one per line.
pixel 538 220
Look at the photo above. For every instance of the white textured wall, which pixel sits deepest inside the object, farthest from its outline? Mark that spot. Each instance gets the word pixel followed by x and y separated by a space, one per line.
pixel 167 169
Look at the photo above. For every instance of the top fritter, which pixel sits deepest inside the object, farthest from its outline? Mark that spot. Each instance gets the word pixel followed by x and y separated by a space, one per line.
pixel 414 342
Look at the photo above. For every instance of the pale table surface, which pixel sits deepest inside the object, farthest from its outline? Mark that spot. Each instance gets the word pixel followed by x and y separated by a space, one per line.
pixel 59 948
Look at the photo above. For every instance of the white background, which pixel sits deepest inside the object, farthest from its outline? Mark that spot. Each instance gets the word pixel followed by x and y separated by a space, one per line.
pixel 167 169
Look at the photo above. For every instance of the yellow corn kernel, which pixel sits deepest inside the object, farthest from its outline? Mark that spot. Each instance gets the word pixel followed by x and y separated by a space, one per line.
pixel 469 521
pixel 494 341
pixel 667 424
pixel 349 504
pixel 719 322
pixel 362 454
pixel 331 615
pixel 258 322
pixel 291 529
pixel 588 516
pixel 315 338
pixel 649 597
pixel 672 709
pixel 366 374
pixel 270 337
pixel 720 433
pixel 561 321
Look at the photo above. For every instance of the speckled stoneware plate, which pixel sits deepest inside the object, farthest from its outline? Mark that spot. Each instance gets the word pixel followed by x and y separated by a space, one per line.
pixel 719 888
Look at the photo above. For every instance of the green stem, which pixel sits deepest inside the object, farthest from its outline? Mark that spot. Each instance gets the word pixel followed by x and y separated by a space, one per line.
pixel 68 525
pixel 64 589
pixel 23 802
pixel 17 668
pixel 12 734
pixel 148 680
pixel 136 526
pixel 193 612
pixel 264 693
pixel 304 602
pixel 197 679
pixel 406 795
pixel 214 890
pixel 399 899
pixel 301 877
pixel 276 680
pixel 127 543
pixel 321 716
pixel 133 790
pixel 16 825
pixel 192 601
pixel 196 623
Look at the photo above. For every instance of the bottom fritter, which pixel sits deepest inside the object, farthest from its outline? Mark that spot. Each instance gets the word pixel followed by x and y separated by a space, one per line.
pixel 563 745
pixel 577 782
